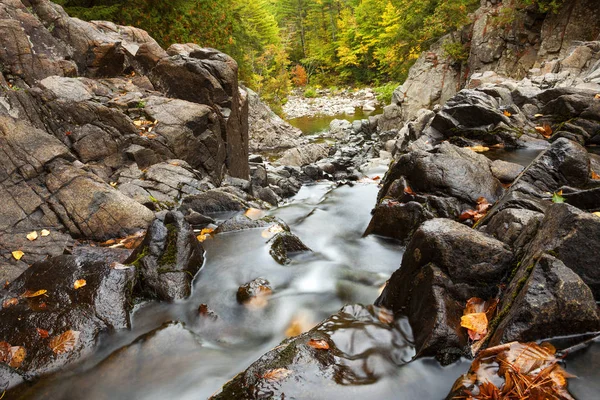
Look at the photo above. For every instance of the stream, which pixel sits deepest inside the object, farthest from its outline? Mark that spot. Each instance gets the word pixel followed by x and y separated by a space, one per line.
pixel 172 352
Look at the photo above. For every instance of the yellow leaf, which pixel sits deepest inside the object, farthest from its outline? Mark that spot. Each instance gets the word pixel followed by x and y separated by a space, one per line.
pixel 595 175
pixel 64 342
pixel 17 354
pixel 28 293
pixel 597 213
pixel 272 231
pixel 476 322
pixel 205 233
pixel 479 149
pixel 45 232
pixel 32 235
pixel 507 113
pixel 18 254
pixel 254 213
pixel 79 283
pixel 113 184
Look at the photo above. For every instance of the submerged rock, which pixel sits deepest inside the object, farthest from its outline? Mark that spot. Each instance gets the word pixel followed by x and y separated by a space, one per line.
pixel 256 288
pixel 334 354
pixel 285 244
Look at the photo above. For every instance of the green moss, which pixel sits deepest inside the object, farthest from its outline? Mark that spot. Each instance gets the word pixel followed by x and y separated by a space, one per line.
pixel 169 256
pixel 137 263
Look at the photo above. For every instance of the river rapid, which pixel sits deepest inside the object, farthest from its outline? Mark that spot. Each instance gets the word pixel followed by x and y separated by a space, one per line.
pixel 173 352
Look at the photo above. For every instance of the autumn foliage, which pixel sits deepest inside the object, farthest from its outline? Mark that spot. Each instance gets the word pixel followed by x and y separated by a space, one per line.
pixel 299 76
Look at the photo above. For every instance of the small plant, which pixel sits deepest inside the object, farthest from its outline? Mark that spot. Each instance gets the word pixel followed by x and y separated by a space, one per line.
pixel 310 93
pixel 457 51
pixel 384 93
pixel 140 104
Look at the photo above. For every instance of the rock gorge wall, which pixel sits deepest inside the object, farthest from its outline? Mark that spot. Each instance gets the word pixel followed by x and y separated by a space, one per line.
pixel 547 49
pixel 98 122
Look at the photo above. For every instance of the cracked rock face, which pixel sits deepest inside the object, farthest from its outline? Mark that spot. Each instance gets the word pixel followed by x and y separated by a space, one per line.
pixel 99 128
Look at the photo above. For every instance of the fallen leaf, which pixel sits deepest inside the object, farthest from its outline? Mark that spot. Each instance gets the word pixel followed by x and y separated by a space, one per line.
pixel 538 115
pixel 45 232
pixel 478 149
pixel 42 332
pixel 64 342
pixel 597 213
pixel 272 231
pixel 385 316
pixel 595 175
pixel 31 236
pixel 597 96
pixel 117 265
pixel 545 130
pixel 482 205
pixel 113 184
pixel 4 351
pixel 42 306
pixel 376 178
pixel 79 283
pixel 300 323
pixel 507 113
pixel 557 197
pixel 68 133
pixel 18 254
pixel 254 213
pixel 276 374
pixel 30 293
pixel 10 302
pixel 469 214
pixel 319 344
pixel 17 356
pixel 408 190
pixel 205 233
pixel 476 324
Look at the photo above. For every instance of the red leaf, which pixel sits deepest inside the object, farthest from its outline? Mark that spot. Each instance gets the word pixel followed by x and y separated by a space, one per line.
pixel 42 332
pixel 320 344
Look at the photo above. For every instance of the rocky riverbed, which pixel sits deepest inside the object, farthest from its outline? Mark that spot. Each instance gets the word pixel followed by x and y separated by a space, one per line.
pixel 329 102
pixel 148 253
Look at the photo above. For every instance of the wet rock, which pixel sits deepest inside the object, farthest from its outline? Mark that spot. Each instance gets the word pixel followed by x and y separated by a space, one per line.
pixel 510 223
pixel 588 200
pixel 241 222
pixel 505 172
pixel 101 305
pixel 258 287
pixel 168 259
pixel 284 245
pixel 567 233
pixel 330 356
pixel 444 265
pixel 268 195
pixel 196 219
pixel 423 185
pixel 213 201
pixel 305 154
pixel 549 300
pixel 565 163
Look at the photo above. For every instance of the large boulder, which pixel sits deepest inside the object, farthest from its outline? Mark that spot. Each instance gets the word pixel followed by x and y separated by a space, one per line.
pixel 103 304
pixel 266 130
pixel 423 185
pixel 444 265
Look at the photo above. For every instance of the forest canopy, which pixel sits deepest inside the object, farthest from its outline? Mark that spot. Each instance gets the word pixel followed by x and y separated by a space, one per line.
pixel 278 43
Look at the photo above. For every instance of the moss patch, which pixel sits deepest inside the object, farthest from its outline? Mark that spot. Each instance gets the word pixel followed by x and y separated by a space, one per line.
pixel 169 256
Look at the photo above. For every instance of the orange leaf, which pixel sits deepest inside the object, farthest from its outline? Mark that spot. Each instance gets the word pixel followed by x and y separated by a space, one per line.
pixel 79 283
pixel 545 131
pixel 276 374
pixel 64 342
pixel 377 178
pixel 5 351
pixel 506 113
pixel 42 332
pixel 408 190
pixel 272 231
pixel 469 214
pixel 254 213
pixel 595 175
pixel 31 293
pixel 10 302
pixel 385 316
pixel 17 356
pixel 476 323
pixel 319 344
pixel 206 233
pixel 597 96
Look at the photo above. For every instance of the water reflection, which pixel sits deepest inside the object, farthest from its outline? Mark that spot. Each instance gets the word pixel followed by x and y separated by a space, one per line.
pixel 315 124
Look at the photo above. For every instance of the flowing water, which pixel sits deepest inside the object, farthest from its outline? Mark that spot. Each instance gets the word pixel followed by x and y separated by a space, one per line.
pixel 173 353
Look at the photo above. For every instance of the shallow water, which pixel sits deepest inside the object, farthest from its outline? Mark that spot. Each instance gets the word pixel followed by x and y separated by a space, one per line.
pixel 312 125
pixel 193 358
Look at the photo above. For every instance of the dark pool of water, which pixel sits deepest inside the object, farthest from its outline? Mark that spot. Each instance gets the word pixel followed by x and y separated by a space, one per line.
pixel 518 156
pixel 315 124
